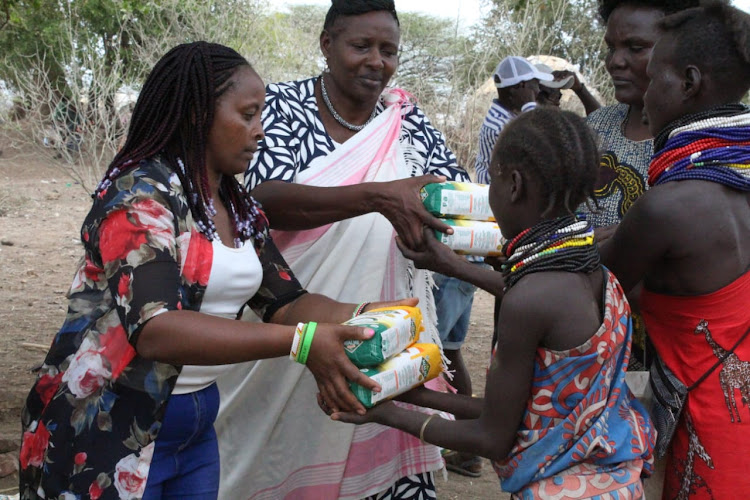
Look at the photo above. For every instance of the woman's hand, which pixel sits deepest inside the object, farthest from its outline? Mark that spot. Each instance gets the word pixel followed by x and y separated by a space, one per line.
pixel 433 255
pixel 332 369
pixel 402 205
pixel 563 74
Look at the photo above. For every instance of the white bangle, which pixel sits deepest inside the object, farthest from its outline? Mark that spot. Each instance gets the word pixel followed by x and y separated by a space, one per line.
pixel 296 341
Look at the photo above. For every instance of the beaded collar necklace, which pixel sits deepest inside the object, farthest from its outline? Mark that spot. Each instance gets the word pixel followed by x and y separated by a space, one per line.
pixel 562 244
pixel 712 148
pixel 720 111
pixel 337 116
pixel 250 227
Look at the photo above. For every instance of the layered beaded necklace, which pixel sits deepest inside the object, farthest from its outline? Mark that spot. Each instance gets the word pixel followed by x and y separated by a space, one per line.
pixel 337 116
pixel 711 148
pixel 562 244
pixel 245 229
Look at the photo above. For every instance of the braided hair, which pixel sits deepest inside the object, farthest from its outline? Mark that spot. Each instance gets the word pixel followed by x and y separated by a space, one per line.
pixel 340 8
pixel 726 31
pixel 606 7
pixel 173 116
pixel 557 148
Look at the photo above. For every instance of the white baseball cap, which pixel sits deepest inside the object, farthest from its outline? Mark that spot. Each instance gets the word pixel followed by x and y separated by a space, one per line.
pixel 563 83
pixel 513 70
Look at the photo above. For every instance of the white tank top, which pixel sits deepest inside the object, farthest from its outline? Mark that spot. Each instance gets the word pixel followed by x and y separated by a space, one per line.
pixel 236 275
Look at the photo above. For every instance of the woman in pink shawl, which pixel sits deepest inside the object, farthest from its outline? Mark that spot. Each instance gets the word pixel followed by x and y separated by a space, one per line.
pixel 339 171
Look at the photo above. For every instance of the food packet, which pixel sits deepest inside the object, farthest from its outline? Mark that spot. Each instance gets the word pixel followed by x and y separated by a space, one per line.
pixel 396 328
pixel 472 237
pixel 458 200
pixel 412 367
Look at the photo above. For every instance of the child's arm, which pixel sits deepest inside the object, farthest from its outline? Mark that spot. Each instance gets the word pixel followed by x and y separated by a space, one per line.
pixel 462 406
pixel 494 431
pixel 437 257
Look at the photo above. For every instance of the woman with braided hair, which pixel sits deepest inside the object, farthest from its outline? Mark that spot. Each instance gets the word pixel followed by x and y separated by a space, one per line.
pixel 124 403
pixel 557 419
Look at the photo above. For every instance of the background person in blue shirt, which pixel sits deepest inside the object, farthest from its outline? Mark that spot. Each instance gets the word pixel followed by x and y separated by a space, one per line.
pixel 517 82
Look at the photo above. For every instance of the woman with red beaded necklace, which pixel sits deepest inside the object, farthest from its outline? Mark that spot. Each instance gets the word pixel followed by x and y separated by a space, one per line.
pixel 688 240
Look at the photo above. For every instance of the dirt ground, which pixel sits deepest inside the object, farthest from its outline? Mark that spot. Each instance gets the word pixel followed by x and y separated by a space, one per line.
pixel 41 211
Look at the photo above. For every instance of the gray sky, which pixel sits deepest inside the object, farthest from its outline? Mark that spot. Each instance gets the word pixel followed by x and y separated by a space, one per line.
pixel 467 11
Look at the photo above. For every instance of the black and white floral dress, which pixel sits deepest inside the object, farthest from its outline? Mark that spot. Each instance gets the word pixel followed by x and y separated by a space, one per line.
pixel 295 136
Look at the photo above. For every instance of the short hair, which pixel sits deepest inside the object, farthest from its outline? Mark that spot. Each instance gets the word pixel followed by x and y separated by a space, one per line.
pixel 722 28
pixel 558 149
pixel 606 7
pixel 340 8
pixel 173 115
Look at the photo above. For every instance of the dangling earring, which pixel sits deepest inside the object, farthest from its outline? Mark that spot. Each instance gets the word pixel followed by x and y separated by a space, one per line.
pixel 326 69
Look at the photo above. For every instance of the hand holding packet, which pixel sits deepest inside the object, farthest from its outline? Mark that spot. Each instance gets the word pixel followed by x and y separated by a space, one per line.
pixel 411 368
pixel 465 207
pixel 458 200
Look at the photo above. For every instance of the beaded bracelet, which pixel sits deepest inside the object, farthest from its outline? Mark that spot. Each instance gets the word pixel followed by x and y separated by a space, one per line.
pixel 360 308
pixel 299 333
pixel 306 342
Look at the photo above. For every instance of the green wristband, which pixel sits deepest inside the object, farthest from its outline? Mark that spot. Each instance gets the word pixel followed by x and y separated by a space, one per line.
pixel 306 342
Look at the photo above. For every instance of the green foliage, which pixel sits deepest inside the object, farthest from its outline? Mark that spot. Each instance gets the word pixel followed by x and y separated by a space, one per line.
pixel 31 29
pixel 285 45
pixel 52 36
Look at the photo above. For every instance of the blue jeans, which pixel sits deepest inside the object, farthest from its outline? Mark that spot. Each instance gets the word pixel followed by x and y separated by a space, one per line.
pixel 186 453
pixel 453 301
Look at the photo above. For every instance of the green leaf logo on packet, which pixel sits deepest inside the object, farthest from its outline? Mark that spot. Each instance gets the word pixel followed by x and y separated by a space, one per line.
pixel 424 368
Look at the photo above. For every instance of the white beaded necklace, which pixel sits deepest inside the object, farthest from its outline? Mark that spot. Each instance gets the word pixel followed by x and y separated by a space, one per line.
pixel 716 122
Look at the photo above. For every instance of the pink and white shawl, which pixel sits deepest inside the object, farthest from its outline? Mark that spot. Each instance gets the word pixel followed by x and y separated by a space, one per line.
pixel 274 441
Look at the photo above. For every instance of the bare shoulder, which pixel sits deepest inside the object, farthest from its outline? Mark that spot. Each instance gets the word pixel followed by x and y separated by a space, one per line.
pixel 675 207
pixel 537 297
pixel 660 214
pixel 657 204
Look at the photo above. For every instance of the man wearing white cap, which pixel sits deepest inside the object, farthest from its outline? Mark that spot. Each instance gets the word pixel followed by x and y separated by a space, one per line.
pixel 551 92
pixel 517 82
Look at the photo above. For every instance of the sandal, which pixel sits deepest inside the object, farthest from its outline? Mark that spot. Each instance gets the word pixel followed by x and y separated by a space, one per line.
pixel 463 463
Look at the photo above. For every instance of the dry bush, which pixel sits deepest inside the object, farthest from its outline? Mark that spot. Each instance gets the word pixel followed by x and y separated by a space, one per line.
pixel 79 132
pixel 83 145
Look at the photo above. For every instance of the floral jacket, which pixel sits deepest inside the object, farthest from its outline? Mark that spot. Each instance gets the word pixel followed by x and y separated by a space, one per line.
pixel 92 416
